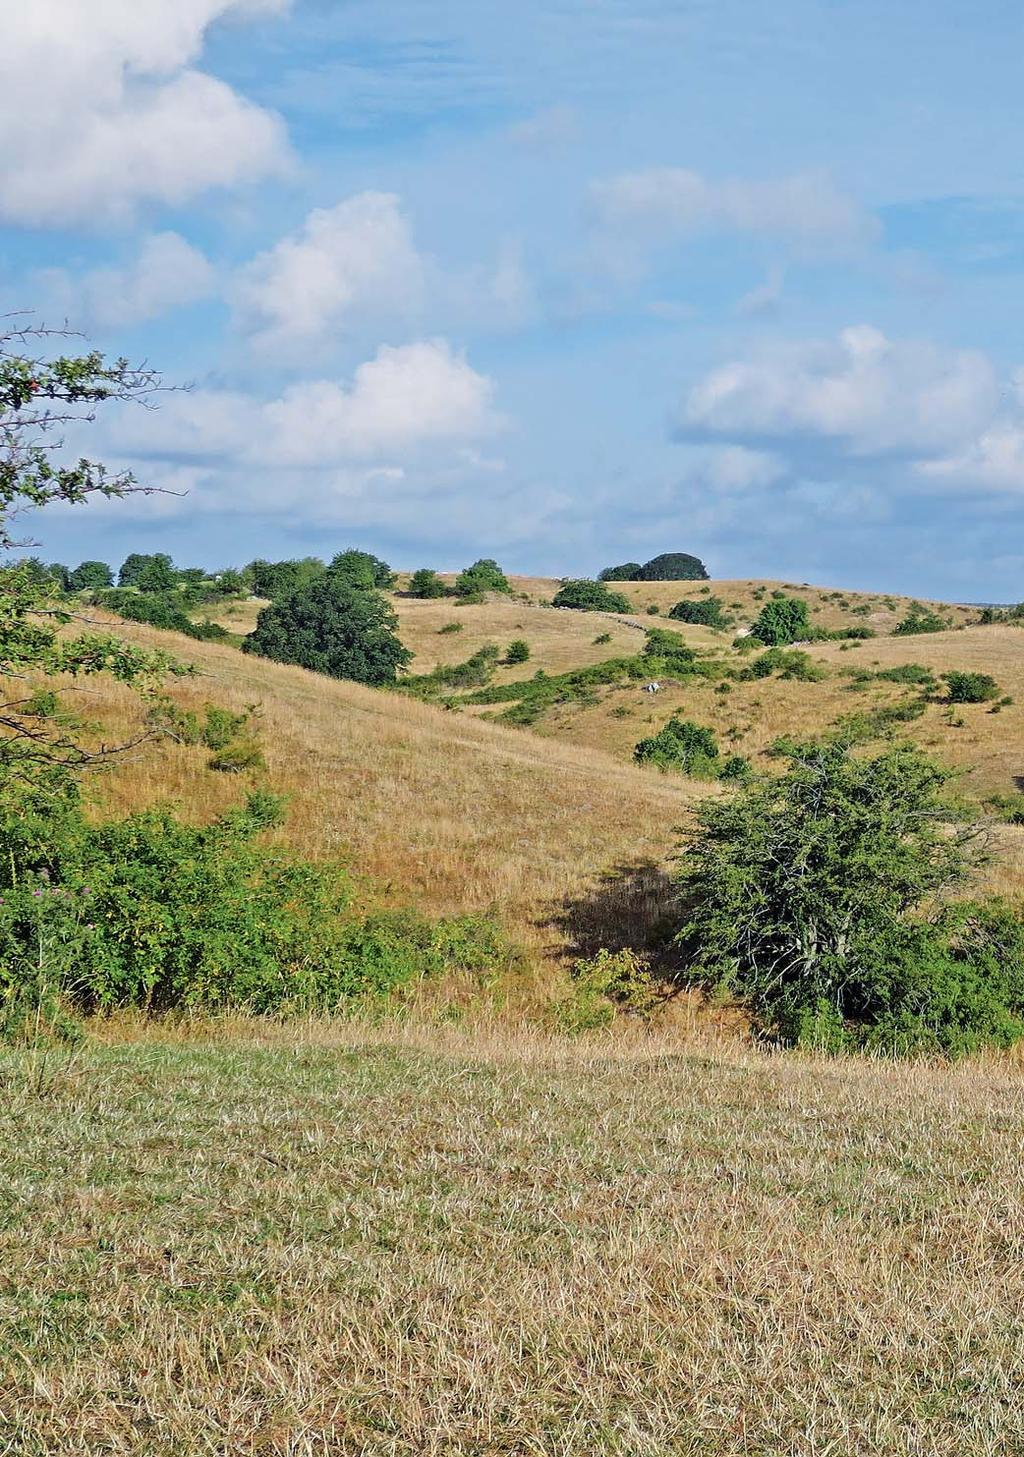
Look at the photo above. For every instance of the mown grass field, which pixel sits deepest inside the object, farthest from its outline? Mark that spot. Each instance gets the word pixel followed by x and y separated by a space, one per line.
pixel 340 1240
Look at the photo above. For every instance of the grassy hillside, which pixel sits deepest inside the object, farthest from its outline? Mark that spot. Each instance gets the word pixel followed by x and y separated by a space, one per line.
pixel 434 807
pixel 326 1240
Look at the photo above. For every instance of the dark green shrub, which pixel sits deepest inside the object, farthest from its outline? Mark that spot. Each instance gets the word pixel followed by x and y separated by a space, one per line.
pixel 789 663
pixel 919 620
pixel 627 572
pixel 782 620
pixel 907 673
pixel 277 579
pixel 820 899
pixel 684 746
pixel 653 609
pixel 426 583
pixel 332 627
pixel 450 627
pixel 518 651
pixel 674 566
pixel 602 637
pixel 588 596
pixel 159 609
pixel 362 569
pixel 483 576
pixel 238 757
pixel 705 613
pixel 971 687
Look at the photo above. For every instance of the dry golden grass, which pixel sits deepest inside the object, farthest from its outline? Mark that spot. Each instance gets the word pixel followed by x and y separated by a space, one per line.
pixel 431 807
pixel 345 1240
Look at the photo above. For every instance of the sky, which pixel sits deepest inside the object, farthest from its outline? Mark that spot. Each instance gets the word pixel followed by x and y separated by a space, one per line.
pixel 561 282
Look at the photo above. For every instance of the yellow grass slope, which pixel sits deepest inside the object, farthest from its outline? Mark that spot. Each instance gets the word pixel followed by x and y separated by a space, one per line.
pixel 433 807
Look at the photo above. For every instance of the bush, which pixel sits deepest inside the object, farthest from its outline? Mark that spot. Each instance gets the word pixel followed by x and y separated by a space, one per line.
pixel 588 596
pixel 518 651
pixel 274 580
pixel 684 746
pixel 426 583
pixel 362 569
pixel 705 613
pixel 971 687
pixel 483 576
pixel 653 609
pixel 820 899
pixel 782 620
pixel 450 627
pixel 626 572
pixel 335 627
pixel 159 609
pixel 920 620
pixel 789 663
pixel 152 913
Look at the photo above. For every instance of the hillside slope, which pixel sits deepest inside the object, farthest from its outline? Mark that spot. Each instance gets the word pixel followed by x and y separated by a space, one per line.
pixel 433 807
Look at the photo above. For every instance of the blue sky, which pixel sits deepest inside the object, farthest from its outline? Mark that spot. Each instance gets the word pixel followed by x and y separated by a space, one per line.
pixel 566 282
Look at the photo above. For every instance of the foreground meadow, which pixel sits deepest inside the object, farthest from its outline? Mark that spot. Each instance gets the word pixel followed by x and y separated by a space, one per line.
pixel 346 1240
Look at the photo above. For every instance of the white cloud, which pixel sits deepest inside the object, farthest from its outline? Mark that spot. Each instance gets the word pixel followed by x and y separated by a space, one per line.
pixel 994 461
pixel 411 407
pixel 872 394
pixel 168 273
pixel 765 298
pixel 667 204
pixel 734 468
pixel 547 130
pixel 403 399
pixel 358 255
pixel 101 109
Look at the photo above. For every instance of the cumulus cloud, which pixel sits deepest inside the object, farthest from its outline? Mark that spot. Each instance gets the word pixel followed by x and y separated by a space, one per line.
pixel 408 416
pixel 668 204
pixel 357 262
pixel 167 274
pixel 873 394
pixel 101 108
pixel 358 255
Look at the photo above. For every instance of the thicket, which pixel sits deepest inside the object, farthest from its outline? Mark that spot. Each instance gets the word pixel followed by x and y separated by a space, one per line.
pixel 821 899
pixel 589 596
pixel 670 566
pixel 971 687
pixel 483 576
pixel 159 609
pixel 703 612
pixel 920 620
pixel 689 748
pixel 782 620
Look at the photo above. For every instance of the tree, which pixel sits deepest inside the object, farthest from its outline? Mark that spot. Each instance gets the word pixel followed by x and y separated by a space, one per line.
pixel 229 582
pixel 821 899
pixel 483 576
pixel 627 572
pixel 332 627
pixel 518 651
pixel 277 579
pixel 971 687
pixel 674 566
pixel 39 397
pixel 703 612
pixel 362 569
pixel 426 583
pixel 90 575
pixel 148 573
pixel 782 620
pixel 588 596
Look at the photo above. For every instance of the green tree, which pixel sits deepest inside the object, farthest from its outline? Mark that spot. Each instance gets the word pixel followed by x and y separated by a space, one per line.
pixel 971 687
pixel 483 576
pixel 90 575
pixel 518 651
pixel 704 612
pixel 335 627
pixel 276 579
pixel 626 572
pixel 821 899
pixel 39 398
pixel 362 569
pixel 589 596
pixel 229 582
pixel 674 566
pixel 426 583
pixel 782 620
pixel 148 573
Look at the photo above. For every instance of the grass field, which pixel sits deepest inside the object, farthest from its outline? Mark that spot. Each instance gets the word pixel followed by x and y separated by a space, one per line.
pixel 338 1240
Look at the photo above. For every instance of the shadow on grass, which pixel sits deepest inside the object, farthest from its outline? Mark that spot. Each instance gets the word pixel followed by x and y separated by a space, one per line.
pixel 631 905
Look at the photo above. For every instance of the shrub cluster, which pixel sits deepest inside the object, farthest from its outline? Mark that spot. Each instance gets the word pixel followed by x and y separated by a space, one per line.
pixel 689 748
pixel 670 566
pixel 704 612
pixel 588 596
pixel 159 609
